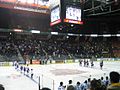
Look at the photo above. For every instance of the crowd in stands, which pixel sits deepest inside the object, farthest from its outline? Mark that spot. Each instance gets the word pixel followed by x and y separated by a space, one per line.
pixel 8 50
pixel 85 47
pixel 116 48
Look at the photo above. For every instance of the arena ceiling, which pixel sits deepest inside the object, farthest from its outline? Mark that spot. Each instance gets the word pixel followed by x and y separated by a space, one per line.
pixel 99 16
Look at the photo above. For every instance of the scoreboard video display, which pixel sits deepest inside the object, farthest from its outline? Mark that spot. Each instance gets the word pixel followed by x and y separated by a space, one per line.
pixel 73 13
pixel 55 15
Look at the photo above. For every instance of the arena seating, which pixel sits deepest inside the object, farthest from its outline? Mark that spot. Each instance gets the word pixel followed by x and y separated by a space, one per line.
pixel 86 47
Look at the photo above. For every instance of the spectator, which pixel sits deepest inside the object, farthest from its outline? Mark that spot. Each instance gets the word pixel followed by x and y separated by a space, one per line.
pixel 102 81
pixel 1 87
pixel 84 85
pixel 88 83
pixel 70 86
pixel 96 85
pixel 107 82
pixel 61 87
pixel 114 78
pixel 78 86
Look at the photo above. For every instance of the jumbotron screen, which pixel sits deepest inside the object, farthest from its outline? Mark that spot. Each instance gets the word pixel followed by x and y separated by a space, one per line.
pixel 55 16
pixel 29 5
pixel 73 13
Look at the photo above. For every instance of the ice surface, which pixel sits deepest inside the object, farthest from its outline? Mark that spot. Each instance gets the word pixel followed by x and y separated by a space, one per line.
pixel 52 74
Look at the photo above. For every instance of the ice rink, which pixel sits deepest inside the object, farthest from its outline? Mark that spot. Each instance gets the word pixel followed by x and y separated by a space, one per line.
pixel 52 74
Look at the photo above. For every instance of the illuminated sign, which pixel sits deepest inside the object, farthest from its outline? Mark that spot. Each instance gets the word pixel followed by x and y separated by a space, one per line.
pixel 73 21
pixel 55 22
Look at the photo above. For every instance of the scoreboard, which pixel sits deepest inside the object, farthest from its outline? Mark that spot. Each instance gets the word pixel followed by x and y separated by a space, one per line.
pixel 65 11
pixel 73 14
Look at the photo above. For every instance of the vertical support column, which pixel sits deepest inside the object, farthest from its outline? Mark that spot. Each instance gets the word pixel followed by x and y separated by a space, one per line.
pixel 93 7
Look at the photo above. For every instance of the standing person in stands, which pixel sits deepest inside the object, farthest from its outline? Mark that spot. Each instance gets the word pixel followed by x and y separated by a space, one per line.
pixel 1 87
pixel 61 87
pixel 78 86
pixel 70 86
pixel 107 81
pixel 102 81
pixel 88 83
pixel 84 85
pixel 115 81
pixel 96 85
